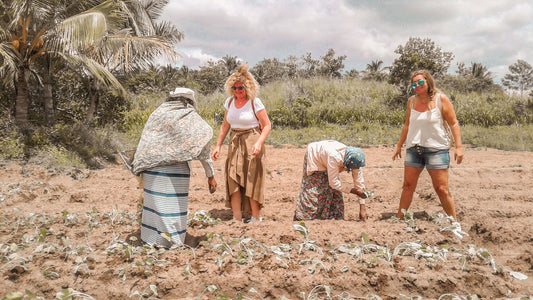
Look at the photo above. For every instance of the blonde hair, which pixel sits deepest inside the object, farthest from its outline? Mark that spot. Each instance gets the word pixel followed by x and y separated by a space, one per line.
pixel 432 90
pixel 248 81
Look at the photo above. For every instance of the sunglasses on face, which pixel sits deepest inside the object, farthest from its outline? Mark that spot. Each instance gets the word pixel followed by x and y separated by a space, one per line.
pixel 239 88
pixel 420 83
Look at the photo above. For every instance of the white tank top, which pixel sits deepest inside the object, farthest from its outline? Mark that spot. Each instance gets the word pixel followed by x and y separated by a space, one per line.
pixel 243 118
pixel 426 129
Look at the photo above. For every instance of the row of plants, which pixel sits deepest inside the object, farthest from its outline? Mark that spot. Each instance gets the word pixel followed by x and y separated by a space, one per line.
pixel 38 239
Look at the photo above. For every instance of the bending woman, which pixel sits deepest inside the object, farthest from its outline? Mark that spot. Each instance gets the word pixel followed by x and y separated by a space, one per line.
pixel 245 171
pixel 320 196
pixel 173 136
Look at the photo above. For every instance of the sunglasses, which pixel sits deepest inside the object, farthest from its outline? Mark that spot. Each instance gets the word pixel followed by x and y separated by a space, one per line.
pixel 420 83
pixel 239 88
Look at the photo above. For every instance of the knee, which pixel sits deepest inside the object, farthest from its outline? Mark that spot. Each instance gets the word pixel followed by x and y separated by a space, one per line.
pixel 442 190
pixel 409 186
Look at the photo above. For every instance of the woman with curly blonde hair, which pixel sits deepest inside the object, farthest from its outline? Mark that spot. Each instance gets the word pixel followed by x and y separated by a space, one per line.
pixel 246 116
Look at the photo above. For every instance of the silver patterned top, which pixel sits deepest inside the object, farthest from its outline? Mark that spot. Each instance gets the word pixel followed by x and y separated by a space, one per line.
pixel 174 132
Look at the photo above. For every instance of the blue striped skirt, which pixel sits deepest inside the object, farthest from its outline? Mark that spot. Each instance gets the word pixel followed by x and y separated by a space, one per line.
pixel 166 192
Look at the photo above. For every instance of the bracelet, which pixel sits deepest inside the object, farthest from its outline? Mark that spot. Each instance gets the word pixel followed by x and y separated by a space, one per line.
pixel 362 201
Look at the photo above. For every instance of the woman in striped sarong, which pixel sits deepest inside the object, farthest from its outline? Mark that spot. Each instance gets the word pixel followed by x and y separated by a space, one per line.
pixel 173 136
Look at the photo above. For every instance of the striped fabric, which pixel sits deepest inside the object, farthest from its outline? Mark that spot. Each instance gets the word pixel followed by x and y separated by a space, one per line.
pixel 166 191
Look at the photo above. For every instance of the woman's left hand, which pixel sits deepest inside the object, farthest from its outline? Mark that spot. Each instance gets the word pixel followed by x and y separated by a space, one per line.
pixel 256 149
pixel 212 184
pixel 458 155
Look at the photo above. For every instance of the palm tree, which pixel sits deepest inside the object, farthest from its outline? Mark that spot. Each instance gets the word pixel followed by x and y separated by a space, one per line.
pixel 136 46
pixel 34 28
pixel 479 71
pixel 231 63
pixel 374 71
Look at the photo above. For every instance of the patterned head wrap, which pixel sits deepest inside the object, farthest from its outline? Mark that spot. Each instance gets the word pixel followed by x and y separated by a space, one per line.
pixel 354 158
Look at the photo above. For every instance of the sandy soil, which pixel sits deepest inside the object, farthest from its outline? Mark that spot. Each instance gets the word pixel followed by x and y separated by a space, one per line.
pixel 79 229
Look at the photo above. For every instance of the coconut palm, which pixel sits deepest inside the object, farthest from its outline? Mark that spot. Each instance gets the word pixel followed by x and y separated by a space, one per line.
pixel 374 71
pixel 31 29
pixel 478 70
pixel 97 36
pixel 136 46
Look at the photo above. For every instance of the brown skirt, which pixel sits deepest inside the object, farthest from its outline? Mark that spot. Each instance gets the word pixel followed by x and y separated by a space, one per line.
pixel 244 172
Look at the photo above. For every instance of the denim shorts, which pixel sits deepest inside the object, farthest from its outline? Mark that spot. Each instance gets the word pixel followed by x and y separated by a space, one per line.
pixel 432 159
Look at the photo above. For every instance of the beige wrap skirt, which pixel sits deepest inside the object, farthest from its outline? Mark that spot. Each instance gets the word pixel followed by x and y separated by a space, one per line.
pixel 245 172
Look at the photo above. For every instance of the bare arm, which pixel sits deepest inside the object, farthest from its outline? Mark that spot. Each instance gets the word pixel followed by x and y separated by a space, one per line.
pixel 224 129
pixel 449 116
pixel 266 126
pixel 398 151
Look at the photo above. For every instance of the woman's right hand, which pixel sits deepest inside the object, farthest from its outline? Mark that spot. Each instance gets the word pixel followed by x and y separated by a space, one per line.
pixel 216 153
pixel 359 192
pixel 397 153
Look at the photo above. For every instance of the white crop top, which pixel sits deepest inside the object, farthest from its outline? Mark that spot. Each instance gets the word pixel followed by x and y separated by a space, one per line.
pixel 426 129
pixel 243 118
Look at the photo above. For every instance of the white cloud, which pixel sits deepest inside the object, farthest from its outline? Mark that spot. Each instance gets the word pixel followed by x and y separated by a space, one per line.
pixel 196 57
pixel 492 32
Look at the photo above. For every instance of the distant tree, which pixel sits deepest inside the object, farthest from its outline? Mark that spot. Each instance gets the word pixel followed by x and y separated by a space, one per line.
pixel 374 71
pixel 353 73
pixel 268 70
pixel 309 66
pixel 291 66
pixel 520 77
pixel 475 78
pixel 331 66
pixel 231 63
pixel 212 77
pixel 418 54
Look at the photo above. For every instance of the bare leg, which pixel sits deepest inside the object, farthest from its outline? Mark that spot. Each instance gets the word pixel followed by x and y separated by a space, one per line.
pixel 235 199
pixel 410 180
pixel 256 209
pixel 440 183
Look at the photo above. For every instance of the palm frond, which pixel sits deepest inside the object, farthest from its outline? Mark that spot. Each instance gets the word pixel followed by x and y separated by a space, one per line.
pixel 98 71
pixel 138 19
pixel 154 8
pixel 80 30
pixel 8 66
pixel 169 31
pixel 142 51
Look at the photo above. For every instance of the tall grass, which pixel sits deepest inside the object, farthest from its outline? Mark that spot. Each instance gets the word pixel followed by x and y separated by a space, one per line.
pixel 359 112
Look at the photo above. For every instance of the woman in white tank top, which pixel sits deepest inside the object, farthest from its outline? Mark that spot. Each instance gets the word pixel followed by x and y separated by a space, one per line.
pixel 245 172
pixel 427 143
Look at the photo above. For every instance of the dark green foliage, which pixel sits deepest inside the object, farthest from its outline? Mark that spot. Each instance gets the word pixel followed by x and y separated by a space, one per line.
pixel 91 145
pixel 418 54
pixel 520 76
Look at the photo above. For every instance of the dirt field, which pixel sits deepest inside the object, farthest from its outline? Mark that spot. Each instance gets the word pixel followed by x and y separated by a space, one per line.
pixel 78 229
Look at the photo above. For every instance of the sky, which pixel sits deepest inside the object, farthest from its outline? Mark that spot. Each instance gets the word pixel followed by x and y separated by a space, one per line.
pixel 494 33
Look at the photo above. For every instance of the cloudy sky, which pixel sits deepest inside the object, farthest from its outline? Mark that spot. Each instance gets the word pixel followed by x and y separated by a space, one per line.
pixel 495 33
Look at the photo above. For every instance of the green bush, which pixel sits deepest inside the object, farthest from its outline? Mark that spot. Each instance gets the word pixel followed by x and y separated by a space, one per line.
pixel 91 145
pixel 11 145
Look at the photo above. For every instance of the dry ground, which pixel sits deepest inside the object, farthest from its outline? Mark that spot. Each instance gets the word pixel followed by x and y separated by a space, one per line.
pixel 78 229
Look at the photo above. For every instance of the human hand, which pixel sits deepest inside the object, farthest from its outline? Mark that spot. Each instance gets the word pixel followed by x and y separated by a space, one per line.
pixel 397 153
pixel 215 153
pixel 212 184
pixel 359 192
pixel 256 149
pixel 458 155
pixel 362 212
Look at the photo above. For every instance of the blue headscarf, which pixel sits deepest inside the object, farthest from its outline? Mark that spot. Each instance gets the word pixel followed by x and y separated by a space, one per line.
pixel 354 158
